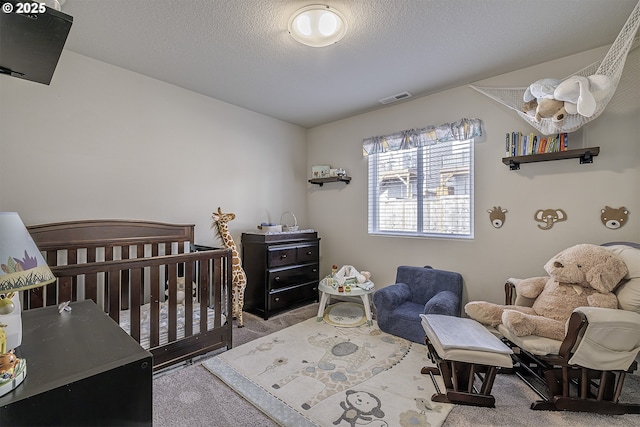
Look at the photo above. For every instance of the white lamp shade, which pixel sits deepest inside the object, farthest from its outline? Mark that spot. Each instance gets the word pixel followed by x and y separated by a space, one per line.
pixel 23 266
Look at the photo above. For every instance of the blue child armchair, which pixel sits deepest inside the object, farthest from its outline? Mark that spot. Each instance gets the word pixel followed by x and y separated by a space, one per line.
pixel 418 290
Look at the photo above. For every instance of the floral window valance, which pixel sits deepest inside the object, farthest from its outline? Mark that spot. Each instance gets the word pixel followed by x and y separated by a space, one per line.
pixel 404 140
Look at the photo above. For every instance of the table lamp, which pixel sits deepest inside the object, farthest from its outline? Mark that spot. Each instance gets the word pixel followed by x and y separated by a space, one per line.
pixel 23 267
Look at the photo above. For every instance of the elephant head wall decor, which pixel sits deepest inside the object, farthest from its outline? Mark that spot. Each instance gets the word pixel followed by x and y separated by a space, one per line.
pixel 549 217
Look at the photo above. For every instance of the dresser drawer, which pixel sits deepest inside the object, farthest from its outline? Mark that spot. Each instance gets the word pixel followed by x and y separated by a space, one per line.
pixel 278 256
pixel 281 255
pixel 288 277
pixel 292 296
pixel 308 253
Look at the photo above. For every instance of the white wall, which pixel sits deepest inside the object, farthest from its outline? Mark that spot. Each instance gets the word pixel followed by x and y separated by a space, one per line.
pixel 104 142
pixel 519 248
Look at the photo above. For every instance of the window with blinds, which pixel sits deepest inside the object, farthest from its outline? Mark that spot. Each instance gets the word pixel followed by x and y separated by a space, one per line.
pixel 424 191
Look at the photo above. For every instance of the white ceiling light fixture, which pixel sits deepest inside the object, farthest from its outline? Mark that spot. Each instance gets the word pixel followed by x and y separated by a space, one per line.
pixel 317 25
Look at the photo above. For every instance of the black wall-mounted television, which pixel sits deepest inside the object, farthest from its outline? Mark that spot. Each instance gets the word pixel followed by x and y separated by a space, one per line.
pixel 31 40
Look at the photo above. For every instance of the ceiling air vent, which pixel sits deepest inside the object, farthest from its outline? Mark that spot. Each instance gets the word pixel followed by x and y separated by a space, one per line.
pixel 396 97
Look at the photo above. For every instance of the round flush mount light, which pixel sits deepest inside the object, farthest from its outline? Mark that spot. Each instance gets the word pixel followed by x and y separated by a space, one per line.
pixel 317 26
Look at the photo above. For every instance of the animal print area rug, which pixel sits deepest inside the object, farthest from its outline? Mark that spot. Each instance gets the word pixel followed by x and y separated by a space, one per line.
pixel 315 374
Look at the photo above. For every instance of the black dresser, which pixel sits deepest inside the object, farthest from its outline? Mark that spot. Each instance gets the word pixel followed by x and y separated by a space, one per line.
pixel 282 271
pixel 82 370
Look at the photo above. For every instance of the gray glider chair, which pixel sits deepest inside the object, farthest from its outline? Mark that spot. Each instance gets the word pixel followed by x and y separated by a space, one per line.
pixel 418 290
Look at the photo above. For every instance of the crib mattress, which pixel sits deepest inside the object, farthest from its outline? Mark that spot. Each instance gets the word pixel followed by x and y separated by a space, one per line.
pixel 145 324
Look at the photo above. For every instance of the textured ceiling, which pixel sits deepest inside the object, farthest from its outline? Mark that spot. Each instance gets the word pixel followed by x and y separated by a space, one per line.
pixel 239 51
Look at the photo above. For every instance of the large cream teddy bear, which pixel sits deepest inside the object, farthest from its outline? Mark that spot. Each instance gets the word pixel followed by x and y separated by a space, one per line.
pixel 582 275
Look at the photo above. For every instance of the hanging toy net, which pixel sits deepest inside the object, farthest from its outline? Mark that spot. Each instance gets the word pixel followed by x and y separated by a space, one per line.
pixel 610 66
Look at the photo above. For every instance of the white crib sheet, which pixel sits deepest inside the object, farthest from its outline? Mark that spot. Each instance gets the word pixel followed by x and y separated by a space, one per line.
pixel 145 325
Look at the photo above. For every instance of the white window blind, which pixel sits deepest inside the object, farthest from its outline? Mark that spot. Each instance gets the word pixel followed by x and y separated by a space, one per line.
pixel 424 188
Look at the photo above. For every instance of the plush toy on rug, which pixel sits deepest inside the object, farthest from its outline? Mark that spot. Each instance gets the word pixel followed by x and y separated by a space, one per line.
pixel 238 276
pixel 582 275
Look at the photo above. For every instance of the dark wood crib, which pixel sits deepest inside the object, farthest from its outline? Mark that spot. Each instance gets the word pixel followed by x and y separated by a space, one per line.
pixel 132 270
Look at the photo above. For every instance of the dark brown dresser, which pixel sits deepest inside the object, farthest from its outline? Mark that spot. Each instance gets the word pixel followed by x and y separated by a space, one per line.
pixel 82 370
pixel 282 271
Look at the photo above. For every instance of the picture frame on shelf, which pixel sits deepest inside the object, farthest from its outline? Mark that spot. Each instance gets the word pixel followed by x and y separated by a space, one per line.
pixel 320 171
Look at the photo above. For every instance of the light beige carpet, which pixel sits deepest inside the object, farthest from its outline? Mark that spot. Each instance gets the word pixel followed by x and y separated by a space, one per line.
pixel 186 396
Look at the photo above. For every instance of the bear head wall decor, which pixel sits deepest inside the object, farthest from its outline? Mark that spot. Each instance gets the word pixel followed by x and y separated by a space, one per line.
pixel 614 218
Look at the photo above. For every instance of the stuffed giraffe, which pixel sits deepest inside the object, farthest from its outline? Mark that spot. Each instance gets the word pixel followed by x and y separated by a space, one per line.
pixel 238 277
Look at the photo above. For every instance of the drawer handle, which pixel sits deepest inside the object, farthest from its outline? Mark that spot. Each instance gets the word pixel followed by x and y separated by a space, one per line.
pixel 283 256
pixel 309 253
pixel 276 299
pixel 277 278
pixel 315 270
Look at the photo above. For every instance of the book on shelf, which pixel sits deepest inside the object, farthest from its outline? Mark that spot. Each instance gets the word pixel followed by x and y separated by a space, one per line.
pixel 517 144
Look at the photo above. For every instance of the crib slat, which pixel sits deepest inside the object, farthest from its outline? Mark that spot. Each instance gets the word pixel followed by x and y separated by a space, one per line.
pixel 204 296
pixel 64 289
pixel 114 295
pixel 188 299
pixel 138 252
pixel 124 284
pixel 51 295
pixel 35 297
pixel 171 303
pixel 154 309
pixel 134 311
pixel 91 280
pixel 72 258
pixel 218 271
pixel 108 256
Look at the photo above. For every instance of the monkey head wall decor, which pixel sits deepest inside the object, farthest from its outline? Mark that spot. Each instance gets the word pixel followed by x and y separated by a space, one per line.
pixel 549 217
pixel 497 216
pixel 614 218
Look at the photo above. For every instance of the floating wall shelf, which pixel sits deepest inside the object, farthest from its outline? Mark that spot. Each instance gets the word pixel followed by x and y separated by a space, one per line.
pixel 585 155
pixel 321 181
